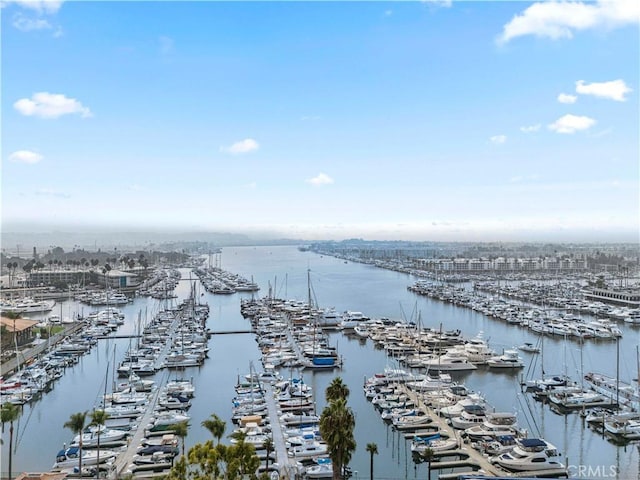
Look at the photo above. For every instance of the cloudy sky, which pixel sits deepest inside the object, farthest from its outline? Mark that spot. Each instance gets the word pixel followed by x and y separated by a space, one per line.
pixel 402 120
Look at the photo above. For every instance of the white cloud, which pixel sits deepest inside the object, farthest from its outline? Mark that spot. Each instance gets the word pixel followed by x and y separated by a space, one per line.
pixel 388 13
pixel 50 105
pixel 26 24
pixel 49 192
pixel 25 156
pixel 571 124
pixel 530 128
pixel 243 146
pixel 320 179
pixel 40 6
pixel 498 139
pixel 560 19
pixel 566 98
pixel 613 90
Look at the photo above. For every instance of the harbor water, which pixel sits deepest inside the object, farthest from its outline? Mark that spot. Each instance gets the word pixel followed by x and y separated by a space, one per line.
pixel 283 271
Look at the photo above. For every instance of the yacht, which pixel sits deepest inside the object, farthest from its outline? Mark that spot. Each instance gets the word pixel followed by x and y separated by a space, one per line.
pixel 449 362
pixel 530 454
pixel 70 457
pixel 508 359
pixel 624 428
pixel 434 442
pixel 495 425
pixel 311 448
pixel 470 415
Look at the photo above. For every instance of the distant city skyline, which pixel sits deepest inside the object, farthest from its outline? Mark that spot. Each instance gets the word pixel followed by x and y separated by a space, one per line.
pixel 431 120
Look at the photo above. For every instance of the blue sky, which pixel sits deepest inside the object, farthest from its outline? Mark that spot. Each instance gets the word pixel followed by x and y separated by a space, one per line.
pixel 386 120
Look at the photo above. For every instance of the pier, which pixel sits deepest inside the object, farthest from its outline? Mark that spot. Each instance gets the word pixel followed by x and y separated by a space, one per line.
pixel 472 458
pixel 287 469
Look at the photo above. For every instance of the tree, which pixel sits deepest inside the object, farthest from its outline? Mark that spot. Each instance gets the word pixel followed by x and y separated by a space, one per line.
pixel 9 413
pixel 268 446
pixel 337 389
pixel 98 419
pixel 216 426
pixel 428 456
pixel 181 430
pixel 208 461
pixel 337 423
pixel 76 424
pixel 372 448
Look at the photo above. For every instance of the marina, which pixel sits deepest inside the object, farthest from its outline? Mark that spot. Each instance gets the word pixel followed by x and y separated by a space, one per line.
pixel 345 287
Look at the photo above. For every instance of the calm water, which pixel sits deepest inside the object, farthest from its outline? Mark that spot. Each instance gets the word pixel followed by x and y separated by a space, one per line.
pixel 351 286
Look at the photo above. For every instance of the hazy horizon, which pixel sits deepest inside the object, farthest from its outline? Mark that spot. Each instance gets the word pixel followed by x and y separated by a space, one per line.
pixel 432 120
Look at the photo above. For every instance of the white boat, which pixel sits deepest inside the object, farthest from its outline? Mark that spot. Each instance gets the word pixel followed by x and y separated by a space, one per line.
pixel 290 419
pixel 434 442
pixel 28 305
pixel 530 454
pixel 350 319
pixel 616 390
pixel 470 416
pixel 449 362
pixel 90 438
pixel 70 457
pixel 323 469
pixel 311 448
pixel 624 428
pixel 457 408
pixel 529 348
pixel 495 425
pixel 508 359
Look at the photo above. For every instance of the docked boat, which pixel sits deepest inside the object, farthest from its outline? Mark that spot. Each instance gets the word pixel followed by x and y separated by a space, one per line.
pixel 28 305
pixel 103 435
pixel 508 359
pixel 311 448
pixel 470 416
pixel 529 454
pixel 449 362
pixel 625 393
pixel 435 442
pixel 70 457
pixel 623 428
pixel 323 469
pixel 495 425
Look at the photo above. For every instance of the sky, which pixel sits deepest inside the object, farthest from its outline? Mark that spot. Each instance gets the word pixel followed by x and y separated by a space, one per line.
pixel 431 120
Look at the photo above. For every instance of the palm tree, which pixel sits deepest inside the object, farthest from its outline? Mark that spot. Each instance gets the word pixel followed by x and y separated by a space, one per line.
pixel 76 424
pixel 98 419
pixel 216 426
pixel 9 413
pixel 428 456
pixel 372 448
pixel 268 446
pixel 337 423
pixel 181 430
pixel 336 390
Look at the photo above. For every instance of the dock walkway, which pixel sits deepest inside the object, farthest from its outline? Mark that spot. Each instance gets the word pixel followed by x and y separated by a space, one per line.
pixel 287 467
pixel 125 458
